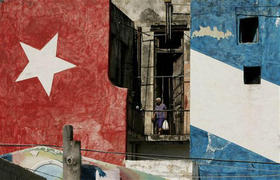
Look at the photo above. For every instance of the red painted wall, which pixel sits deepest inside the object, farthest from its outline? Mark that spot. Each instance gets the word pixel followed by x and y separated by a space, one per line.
pixel 82 96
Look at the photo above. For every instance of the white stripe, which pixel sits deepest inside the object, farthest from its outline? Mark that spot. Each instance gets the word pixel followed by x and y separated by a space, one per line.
pixel 223 105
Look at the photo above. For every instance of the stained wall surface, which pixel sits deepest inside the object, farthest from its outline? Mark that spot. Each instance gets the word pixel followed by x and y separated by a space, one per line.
pixel 54 71
pixel 231 120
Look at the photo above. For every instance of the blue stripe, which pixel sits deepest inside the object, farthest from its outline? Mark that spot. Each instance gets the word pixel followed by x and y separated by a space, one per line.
pixel 206 145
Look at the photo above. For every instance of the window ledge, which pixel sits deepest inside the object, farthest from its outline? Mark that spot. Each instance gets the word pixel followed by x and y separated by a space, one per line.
pixel 170 138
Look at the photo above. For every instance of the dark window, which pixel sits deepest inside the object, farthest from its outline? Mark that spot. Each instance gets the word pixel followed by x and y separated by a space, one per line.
pixel 248 30
pixel 174 43
pixel 252 75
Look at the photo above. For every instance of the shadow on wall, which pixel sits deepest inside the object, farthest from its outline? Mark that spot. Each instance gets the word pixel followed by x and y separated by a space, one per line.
pixel 122 63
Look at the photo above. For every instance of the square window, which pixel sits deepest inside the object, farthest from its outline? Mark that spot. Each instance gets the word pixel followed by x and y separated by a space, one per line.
pixel 248 30
pixel 252 75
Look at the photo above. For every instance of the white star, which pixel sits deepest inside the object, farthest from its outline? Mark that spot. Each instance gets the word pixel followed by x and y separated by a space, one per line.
pixel 43 64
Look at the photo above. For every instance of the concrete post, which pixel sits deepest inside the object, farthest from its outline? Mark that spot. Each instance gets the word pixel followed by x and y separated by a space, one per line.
pixel 71 155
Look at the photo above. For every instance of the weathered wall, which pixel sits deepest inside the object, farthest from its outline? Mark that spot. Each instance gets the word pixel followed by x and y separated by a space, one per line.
pixel 142 12
pixel 170 169
pixel 146 12
pixel 187 82
pixel 230 119
pixel 34 110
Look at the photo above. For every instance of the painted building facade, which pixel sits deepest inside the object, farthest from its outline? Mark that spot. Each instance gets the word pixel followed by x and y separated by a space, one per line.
pixel 235 87
pixel 54 71
pixel 47 162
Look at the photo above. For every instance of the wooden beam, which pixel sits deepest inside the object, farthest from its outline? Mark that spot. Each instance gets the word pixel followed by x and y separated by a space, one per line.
pixel 71 155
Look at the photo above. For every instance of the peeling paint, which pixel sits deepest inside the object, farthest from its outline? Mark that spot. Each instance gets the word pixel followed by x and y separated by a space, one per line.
pixel 215 146
pixel 214 33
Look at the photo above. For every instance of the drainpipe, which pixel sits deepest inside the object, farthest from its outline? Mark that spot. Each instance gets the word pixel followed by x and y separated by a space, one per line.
pixel 169 9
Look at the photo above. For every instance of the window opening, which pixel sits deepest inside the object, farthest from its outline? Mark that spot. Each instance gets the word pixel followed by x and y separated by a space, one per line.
pixel 248 30
pixel 252 75
pixel 173 43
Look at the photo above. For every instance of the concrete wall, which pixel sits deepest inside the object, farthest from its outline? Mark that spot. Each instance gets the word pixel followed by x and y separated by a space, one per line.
pixel 230 119
pixel 169 169
pixel 40 39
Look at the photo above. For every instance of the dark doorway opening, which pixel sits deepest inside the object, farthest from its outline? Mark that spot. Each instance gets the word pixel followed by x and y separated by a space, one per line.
pixel 169 86
pixel 164 71
pixel 169 76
